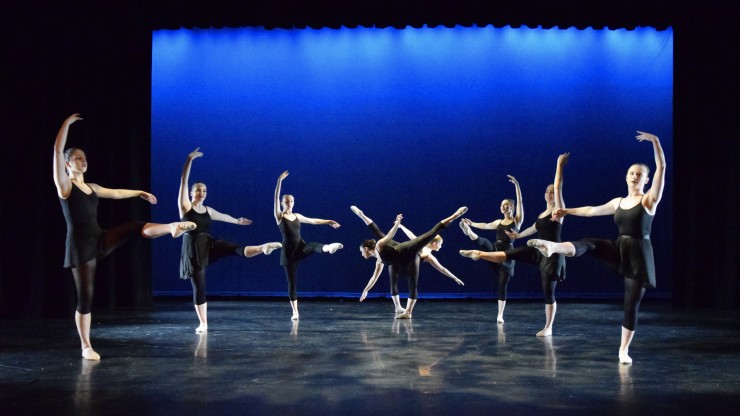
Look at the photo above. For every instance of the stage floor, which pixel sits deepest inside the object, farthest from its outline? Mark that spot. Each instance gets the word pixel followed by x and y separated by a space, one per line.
pixel 346 357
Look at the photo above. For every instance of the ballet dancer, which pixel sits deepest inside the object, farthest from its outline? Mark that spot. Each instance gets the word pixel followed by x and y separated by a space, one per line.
pixel 86 242
pixel 631 255
pixel 199 248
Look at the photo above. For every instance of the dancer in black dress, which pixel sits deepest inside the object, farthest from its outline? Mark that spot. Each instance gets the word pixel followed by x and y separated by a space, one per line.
pixel 631 255
pixel 402 257
pixel 86 241
pixel 199 248
pixel 512 222
pixel 425 255
pixel 552 269
pixel 295 248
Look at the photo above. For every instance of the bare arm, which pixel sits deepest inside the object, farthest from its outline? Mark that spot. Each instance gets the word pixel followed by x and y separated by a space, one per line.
pixel 374 278
pixel 184 204
pixel 484 225
pixel 519 214
pixel 655 193
pixel 103 192
pixel 558 182
pixel 391 233
pixel 316 221
pixel 406 231
pixel 524 233
pixel 606 209
pixel 218 216
pixel 276 210
pixel 437 265
pixel 61 179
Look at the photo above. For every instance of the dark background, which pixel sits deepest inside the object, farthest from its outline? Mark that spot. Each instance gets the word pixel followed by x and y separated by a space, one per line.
pixel 96 59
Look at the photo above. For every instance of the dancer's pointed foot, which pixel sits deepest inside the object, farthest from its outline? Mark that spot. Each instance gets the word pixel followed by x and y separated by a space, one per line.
pixel 201 328
pixel 400 311
pixel 545 247
pixel 465 227
pixel 333 247
pixel 268 248
pixel 460 212
pixel 404 315
pixel 473 254
pixel 546 332
pixel 624 357
pixel 89 354
pixel 356 210
pixel 295 316
pixel 179 228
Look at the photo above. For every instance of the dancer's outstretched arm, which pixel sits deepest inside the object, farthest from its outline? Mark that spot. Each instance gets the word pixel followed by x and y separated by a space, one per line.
pixel 374 278
pixel 655 193
pixel 184 204
pixel 61 178
pixel 437 265
pixel 316 221
pixel 589 211
pixel 218 216
pixel 103 192
pixel 524 233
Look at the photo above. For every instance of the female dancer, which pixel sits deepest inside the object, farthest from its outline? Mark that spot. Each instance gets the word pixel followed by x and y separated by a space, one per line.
pixel 512 221
pixel 294 248
pixel 631 255
pixel 199 248
pixel 425 255
pixel 402 257
pixel 86 241
pixel 551 268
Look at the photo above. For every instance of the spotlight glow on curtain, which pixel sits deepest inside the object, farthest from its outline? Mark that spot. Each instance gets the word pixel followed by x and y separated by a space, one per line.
pixel 412 121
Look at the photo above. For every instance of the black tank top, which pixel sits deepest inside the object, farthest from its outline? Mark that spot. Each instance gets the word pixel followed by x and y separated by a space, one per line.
pixel 634 222
pixel 80 209
pixel 291 231
pixel 547 229
pixel 202 221
pixel 501 229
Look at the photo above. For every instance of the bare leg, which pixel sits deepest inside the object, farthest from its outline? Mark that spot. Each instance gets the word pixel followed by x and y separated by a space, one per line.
pixel 397 304
pixel 501 306
pixel 176 229
pixel 550 310
pixel 294 306
pixel 361 214
pixel 267 248
pixel 82 321
pixel 202 312
pixel 624 347
pixel 548 248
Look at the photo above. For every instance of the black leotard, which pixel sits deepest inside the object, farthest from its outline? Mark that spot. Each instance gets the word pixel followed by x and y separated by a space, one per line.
pixel 83 232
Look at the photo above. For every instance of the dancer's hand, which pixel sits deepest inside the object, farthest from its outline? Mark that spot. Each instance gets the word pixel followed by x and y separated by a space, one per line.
pixel 399 217
pixel 512 234
pixel 558 214
pixel 563 159
pixel 148 197
pixel 71 119
pixel 333 224
pixel 646 137
pixel 243 221
pixel 458 281
pixel 195 154
pixel 283 175
pixel 364 295
pixel 512 180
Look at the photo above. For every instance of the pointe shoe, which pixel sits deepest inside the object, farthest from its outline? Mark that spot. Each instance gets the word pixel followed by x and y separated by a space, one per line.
pixel 89 354
pixel 201 328
pixel 333 247
pixel 460 212
pixel 473 254
pixel 465 227
pixel 624 357
pixel 179 228
pixel 356 210
pixel 546 332
pixel 268 248
pixel 544 246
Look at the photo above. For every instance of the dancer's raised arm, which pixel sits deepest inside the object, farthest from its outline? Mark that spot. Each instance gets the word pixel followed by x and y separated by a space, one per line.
pixel 519 213
pixel 183 203
pixel 276 210
pixel 391 233
pixel 655 193
pixel 558 182
pixel 61 178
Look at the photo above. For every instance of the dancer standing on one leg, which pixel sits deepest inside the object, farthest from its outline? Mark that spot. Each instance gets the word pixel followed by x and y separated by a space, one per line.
pixel 199 248
pixel 86 241
pixel 425 255
pixel 294 248
pixel 512 221
pixel 631 255
pixel 402 257
pixel 552 269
